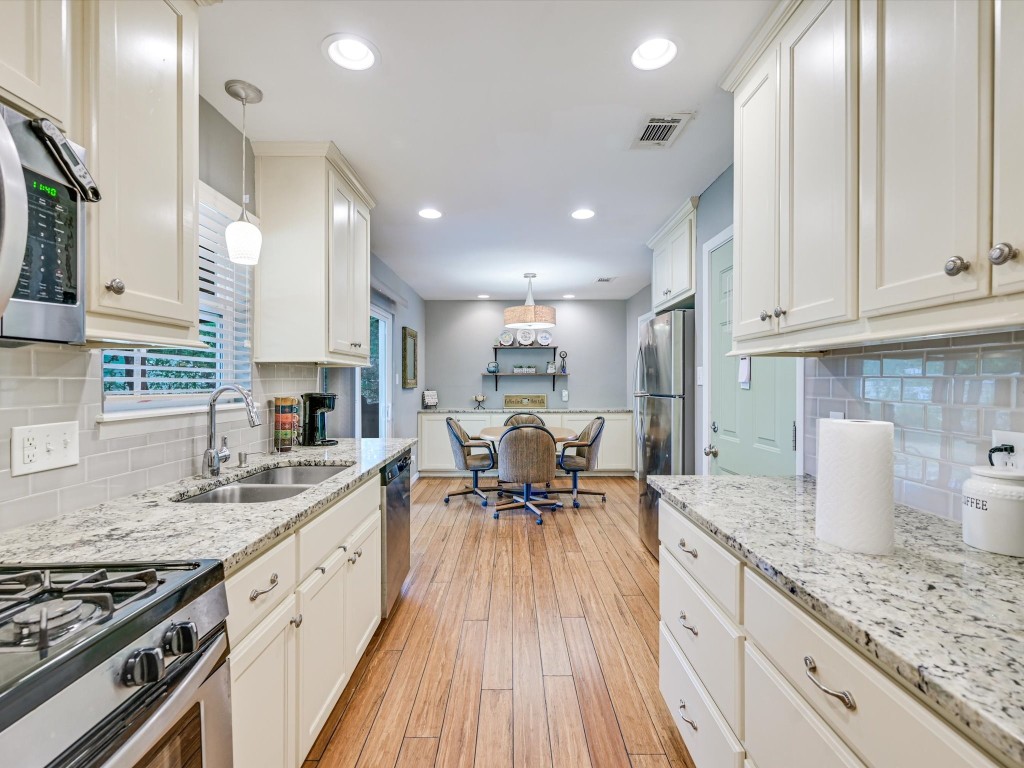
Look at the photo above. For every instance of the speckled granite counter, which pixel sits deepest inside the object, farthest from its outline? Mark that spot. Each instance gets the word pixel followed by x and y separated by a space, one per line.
pixel 531 410
pixel 153 525
pixel 946 619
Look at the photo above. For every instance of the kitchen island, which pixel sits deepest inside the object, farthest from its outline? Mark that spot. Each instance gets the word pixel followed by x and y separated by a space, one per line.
pixel 157 525
pixel 942 619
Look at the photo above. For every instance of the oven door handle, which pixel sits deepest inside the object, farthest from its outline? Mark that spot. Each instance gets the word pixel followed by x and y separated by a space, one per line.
pixel 176 705
pixel 13 215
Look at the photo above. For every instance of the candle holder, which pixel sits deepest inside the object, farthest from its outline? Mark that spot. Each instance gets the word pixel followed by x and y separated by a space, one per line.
pixel 479 400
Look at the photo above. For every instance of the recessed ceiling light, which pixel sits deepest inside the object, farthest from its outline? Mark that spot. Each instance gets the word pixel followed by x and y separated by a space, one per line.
pixel 484 296
pixel 582 213
pixel 569 296
pixel 350 51
pixel 430 213
pixel 653 54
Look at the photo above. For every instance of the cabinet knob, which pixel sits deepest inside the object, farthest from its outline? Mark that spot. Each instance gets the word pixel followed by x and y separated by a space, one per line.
pixel 765 314
pixel 1002 253
pixel 297 621
pixel 955 266
pixel 779 312
pixel 115 286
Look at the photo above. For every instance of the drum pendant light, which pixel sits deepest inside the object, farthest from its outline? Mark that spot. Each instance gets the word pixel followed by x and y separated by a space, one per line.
pixel 243 238
pixel 530 314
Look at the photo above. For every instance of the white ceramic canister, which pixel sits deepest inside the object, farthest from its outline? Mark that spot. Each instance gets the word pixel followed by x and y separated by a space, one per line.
pixel 993 510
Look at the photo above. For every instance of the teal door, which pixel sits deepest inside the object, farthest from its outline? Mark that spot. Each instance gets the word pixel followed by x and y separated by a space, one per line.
pixel 756 426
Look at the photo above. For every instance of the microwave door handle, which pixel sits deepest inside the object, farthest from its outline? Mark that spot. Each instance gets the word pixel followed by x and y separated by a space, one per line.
pixel 66 157
pixel 173 708
pixel 13 216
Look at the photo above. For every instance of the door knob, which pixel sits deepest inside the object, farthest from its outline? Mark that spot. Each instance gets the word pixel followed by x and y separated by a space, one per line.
pixel 1002 253
pixel 765 314
pixel 115 286
pixel 955 266
pixel 711 451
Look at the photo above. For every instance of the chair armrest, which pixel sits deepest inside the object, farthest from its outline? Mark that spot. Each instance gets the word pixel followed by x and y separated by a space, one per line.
pixel 571 444
pixel 477 443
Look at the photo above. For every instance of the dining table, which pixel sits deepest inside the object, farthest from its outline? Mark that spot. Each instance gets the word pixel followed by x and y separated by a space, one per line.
pixel 561 434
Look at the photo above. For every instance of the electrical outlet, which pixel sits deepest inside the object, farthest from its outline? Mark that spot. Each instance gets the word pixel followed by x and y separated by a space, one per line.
pixel 836 415
pixel 43 446
pixel 1016 439
pixel 565 395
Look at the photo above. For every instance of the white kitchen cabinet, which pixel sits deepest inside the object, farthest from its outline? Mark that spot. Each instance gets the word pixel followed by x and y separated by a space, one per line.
pixel 362 586
pixel 925 156
pixel 35 55
pixel 322 661
pixel 313 278
pixel 818 166
pixel 1008 149
pixel 140 128
pixel 673 277
pixel 435 453
pixel 617 442
pixel 263 682
pixel 756 195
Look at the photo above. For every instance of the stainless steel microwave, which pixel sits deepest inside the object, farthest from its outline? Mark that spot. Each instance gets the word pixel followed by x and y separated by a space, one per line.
pixel 42 233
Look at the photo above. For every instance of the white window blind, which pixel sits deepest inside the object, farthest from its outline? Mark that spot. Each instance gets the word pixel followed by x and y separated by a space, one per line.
pixel 135 379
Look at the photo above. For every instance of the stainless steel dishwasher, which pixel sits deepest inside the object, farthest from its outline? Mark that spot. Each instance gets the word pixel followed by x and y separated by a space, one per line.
pixel 396 541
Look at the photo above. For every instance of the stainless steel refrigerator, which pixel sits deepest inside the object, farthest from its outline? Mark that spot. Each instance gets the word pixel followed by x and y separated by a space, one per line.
pixel 664 409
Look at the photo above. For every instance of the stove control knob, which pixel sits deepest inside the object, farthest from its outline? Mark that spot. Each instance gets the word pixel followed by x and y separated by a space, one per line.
pixel 144 666
pixel 180 639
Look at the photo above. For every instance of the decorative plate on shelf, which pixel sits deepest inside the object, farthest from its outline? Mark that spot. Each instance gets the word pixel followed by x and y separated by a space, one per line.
pixel 544 338
pixel 526 336
pixel 506 338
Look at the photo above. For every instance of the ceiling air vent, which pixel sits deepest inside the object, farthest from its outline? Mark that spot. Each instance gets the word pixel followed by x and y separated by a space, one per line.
pixel 604 279
pixel 659 131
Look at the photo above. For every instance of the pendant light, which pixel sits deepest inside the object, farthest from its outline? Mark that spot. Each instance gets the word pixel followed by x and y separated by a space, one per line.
pixel 243 238
pixel 530 314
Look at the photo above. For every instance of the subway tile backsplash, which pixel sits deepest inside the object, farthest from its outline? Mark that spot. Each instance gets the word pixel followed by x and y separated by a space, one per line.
pixel 944 398
pixel 41 384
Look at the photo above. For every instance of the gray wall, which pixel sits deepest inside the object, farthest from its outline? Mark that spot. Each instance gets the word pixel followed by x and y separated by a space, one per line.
pixel 220 157
pixel 639 304
pixel 462 333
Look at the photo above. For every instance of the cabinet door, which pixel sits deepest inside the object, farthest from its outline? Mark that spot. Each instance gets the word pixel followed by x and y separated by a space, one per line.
pixel 756 200
pixel 34 55
pixel 340 265
pixel 618 448
pixel 661 275
pixel 925 163
pixel 263 692
pixel 143 102
pixel 1008 159
pixel 359 281
pixel 818 164
pixel 435 449
pixel 362 588
pixel 323 664
pixel 682 246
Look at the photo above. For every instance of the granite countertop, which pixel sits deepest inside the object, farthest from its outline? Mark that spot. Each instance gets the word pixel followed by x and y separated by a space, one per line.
pixel 153 525
pixel 942 617
pixel 531 410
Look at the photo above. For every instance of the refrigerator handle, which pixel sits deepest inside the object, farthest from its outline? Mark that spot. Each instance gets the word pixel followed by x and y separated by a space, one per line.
pixel 639 391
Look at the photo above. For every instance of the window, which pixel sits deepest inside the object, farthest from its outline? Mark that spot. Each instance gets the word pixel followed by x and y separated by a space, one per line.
pixel 137 379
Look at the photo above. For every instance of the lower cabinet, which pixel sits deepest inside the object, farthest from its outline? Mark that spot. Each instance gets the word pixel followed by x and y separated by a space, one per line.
pixel 289 669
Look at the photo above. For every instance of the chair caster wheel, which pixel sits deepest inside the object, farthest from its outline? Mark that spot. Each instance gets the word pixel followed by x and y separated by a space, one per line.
pixel 500 494
pixel 576 504
pixel 495 515
pixel 540 521
pixel 483 503
pixel 604 499
pixel 445 499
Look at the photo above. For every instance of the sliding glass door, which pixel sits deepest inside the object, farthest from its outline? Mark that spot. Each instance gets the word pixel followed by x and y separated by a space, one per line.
pixel 374 390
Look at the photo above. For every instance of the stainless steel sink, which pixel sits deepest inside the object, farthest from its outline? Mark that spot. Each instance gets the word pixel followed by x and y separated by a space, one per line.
pixel 291 476
pixel 246 494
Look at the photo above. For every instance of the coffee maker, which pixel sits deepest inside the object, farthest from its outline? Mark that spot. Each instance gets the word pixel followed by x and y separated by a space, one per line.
pixel 315 407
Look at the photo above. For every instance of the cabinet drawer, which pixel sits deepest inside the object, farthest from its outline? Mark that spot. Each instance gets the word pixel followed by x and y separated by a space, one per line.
pixel 714 646
pixel 325 533
pixel 708 739
pixel 257 588
pixel 887 727
pixel 777 720
pixel 717 571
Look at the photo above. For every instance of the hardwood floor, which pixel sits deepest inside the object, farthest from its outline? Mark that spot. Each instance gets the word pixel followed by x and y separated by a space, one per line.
pixel 513 644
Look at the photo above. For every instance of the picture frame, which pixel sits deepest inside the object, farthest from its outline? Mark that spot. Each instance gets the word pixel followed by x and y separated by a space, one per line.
pixel 410 357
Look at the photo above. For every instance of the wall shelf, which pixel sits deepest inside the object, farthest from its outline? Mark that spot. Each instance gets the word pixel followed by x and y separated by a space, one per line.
pixel 519 347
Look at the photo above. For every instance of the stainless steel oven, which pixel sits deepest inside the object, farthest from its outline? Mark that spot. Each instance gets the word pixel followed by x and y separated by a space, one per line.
pixel 43 188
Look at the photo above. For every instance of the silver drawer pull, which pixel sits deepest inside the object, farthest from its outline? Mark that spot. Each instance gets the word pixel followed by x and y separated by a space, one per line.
pixel 115 286
pixel 1002 253
pixel 682 546
pixel 682 620
pixel 359 552
pixel 322 569
pixel 254 595
pixel 844 696
pixel 297 621
pixel 353 559
pixel 684 718
pixel 955 266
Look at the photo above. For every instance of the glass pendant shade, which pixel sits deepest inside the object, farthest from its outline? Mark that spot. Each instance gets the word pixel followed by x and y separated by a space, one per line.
pixel 244 241
pixel 530 314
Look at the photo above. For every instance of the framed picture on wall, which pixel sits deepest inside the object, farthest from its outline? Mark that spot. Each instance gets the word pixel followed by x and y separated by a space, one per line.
pixel 410 358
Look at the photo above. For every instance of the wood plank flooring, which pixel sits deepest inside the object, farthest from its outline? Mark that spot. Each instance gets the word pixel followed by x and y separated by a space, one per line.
pixel 514 645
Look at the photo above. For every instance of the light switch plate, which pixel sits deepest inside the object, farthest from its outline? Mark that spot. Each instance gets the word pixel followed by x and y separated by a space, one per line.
pixel 565 395
pixel 43 446
pixel 1016 439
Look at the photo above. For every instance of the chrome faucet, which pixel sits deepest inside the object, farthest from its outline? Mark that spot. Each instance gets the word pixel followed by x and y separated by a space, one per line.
pixel 214 456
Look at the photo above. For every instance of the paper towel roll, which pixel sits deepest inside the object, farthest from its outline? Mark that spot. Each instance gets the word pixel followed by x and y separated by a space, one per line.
pixel 855 478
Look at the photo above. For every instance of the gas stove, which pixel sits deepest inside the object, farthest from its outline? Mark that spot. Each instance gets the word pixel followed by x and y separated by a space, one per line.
pixel 106 633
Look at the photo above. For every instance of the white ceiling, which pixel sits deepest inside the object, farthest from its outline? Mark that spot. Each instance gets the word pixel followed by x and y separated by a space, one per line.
pixel 506 116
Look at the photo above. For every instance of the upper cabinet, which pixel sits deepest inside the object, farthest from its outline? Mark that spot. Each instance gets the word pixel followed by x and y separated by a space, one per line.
pixel 879 183
pixel 35 55
pixel 313 278
pixel 673 277
pixel 139 123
